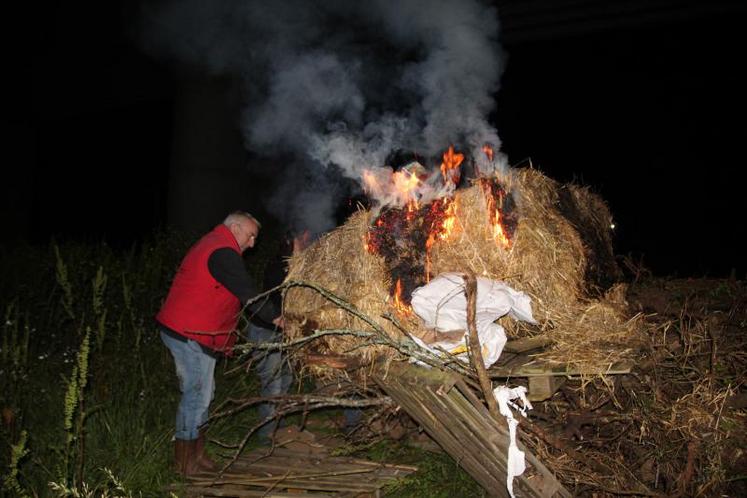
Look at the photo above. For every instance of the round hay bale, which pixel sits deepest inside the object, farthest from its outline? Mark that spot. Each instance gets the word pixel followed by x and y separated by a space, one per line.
pixel 547 258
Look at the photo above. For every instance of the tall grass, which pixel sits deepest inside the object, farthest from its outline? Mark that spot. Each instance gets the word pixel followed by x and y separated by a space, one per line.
pixel 87 391
pixel 83 376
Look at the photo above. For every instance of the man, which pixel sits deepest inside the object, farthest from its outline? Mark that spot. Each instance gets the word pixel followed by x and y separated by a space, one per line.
pixel 272 369
pixel 198 323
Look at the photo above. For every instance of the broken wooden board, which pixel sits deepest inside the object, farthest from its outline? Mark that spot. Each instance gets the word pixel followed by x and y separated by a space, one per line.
pixel 455 418
pixel 540 369
pixel 284 472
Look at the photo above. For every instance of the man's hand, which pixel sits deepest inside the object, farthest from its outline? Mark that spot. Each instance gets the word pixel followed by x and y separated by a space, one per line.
pixel 279 322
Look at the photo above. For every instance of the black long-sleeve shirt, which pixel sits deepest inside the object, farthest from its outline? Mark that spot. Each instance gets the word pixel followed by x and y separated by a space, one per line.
pixel 227 267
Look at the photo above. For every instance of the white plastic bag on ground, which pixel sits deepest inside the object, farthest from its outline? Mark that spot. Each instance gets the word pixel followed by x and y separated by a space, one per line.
pixel 442 304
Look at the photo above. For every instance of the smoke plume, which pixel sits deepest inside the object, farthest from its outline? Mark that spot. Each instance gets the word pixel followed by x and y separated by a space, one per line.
pixel 341 85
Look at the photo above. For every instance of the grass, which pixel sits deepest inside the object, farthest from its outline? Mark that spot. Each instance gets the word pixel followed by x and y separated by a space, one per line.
pixel 438 474
pixel 89 391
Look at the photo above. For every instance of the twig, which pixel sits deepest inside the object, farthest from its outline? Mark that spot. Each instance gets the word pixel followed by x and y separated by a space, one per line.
pixel 687 473
pixel 621 492
pixel 293 404
pixel 406 346
pixel 298 399
pixel 560 446
pixel 279 346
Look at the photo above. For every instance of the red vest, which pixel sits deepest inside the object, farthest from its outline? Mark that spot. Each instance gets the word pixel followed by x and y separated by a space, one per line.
pixel 198 306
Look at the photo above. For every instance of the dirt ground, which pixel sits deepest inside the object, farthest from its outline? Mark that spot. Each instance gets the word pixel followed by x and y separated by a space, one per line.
pixel 675 426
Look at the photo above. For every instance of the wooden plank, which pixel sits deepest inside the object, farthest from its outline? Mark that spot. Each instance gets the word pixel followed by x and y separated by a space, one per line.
pixel 549 486
pixel 305 467
pixel 292 460
pixel 462 425
pixel 467 436
pixel 242 492
pixel 471 436
pixel 539 369
pixel 440 432
pixel 289 472
pixel 281 483
pixel 498 437
pixel 309 479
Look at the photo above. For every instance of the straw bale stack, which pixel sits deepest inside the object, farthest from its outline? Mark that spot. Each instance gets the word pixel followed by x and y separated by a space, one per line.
pixel 548 259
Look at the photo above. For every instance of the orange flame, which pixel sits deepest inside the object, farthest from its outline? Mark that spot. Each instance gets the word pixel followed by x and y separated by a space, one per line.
pixel 399 304
pixel 441 231
pixel 450 166
pixel 497 231
pixel 370 183
pixel 406 185
pixel 498 234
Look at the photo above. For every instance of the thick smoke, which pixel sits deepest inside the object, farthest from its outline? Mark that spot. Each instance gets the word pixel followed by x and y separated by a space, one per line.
pixel 340 84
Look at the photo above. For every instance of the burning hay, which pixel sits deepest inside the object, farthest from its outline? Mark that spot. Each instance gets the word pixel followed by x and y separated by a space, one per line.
pixel 548 240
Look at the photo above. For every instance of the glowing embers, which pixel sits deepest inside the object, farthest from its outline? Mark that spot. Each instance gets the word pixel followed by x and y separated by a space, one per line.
pixel 404 237
pixel 502 213
pixel 419 208
pixel 444 220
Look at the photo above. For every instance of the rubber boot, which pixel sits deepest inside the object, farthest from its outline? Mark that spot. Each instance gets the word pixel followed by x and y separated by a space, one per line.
pixel 204 463
pixel 185 457
pixel 181 448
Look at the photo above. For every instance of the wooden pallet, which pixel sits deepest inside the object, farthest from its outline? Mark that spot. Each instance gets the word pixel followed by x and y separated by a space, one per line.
pixel 455 418
pixel 543 379
pixel 296 473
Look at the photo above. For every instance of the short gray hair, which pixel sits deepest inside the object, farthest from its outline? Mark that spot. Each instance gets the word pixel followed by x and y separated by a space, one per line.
pixel 238 216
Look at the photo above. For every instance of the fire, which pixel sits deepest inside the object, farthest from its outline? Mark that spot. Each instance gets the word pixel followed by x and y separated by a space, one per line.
pixel 441 228
pixel 494 196
pixel 414 213
pixel 399 188
pixel 399 303
pixel 450 166
pixel 371 183
pixel 499 235
pixel 405 183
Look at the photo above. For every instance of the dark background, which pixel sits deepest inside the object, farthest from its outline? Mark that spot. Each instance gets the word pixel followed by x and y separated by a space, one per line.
pixel 643 101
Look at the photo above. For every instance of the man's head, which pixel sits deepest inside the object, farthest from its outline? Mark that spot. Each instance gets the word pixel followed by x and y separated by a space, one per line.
pixel 244 228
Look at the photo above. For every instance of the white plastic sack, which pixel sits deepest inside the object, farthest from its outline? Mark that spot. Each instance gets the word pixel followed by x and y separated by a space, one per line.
pixel 515 462
pixel 442 304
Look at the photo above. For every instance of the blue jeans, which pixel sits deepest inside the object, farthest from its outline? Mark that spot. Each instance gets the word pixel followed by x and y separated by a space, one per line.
pixel 273 372
pixel 353 417
pixel 195 370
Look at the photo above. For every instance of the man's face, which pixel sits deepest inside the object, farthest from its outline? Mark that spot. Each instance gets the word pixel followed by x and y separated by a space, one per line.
pixel 246 233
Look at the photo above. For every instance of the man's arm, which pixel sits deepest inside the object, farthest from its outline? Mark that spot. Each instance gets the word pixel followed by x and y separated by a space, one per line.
pixel 227 267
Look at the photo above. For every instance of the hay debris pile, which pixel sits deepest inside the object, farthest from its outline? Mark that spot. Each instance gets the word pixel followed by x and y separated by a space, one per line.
pixel 557 249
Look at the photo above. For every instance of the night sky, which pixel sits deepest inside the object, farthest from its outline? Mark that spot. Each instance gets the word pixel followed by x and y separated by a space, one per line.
pixel 642 101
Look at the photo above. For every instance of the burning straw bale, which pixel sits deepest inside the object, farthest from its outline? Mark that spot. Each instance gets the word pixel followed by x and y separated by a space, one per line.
pixel 339 263
pixel 516 229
